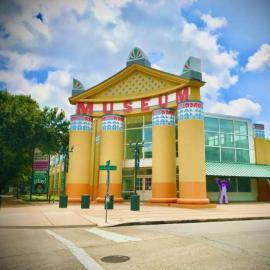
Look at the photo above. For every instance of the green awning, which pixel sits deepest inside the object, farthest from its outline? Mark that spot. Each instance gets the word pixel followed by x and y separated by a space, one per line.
pixel 237 169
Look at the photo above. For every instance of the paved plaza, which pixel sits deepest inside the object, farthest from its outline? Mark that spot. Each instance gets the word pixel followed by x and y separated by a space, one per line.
pixel 18 214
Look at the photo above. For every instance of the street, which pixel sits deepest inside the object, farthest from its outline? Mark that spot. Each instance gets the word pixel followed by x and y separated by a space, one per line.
pixel 209 245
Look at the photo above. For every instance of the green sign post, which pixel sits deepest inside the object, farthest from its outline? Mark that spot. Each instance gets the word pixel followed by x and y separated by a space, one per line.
pixel 107 168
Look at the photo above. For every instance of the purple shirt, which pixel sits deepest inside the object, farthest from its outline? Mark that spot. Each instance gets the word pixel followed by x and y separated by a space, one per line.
pixel 223 183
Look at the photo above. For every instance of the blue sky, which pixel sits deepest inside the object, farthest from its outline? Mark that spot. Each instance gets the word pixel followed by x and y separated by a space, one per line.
pixel 91 39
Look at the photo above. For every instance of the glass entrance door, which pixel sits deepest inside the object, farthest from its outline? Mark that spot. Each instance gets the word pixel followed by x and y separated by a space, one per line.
pixel 144 187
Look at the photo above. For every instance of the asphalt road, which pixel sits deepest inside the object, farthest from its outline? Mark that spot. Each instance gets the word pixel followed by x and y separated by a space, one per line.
pixel 218 245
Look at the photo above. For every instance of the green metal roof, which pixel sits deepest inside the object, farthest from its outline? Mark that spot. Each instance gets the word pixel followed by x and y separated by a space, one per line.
pixel 237 169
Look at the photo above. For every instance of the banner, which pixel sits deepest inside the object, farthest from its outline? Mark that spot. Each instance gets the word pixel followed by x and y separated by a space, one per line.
pixel 40 176
pixel 40 182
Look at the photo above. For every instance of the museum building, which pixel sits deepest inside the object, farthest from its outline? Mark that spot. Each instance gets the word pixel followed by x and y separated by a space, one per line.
pixel 182 149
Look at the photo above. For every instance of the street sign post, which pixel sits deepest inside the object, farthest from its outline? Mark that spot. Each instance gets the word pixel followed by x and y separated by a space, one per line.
pixel 107 168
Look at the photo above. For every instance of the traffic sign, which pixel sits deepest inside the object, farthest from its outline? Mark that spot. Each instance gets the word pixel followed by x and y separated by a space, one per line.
pixel 107 168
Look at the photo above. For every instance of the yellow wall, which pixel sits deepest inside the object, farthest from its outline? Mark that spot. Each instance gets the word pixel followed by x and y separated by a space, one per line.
pixel 191 150
pixel 262 151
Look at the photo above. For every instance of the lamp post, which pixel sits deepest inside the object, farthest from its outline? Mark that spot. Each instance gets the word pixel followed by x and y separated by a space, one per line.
pixel 65 153
pixel 135 199
pixel 136 149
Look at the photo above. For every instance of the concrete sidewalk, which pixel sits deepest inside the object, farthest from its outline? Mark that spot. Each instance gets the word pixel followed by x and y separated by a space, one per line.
pixel 19 214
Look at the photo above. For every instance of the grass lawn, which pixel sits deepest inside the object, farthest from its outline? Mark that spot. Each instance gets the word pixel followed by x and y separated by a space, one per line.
pixel 36 197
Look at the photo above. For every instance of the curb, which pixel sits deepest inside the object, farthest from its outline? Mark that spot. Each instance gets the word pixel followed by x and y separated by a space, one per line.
pixel 137 223
pixel 48 227
pixel 160 222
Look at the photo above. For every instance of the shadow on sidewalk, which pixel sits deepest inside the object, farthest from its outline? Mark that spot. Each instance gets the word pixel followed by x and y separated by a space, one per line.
pixel 10 201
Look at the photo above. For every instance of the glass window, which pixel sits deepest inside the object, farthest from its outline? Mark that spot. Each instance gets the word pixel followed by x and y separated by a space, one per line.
pixel 134 121
pixel 177 179
pixel 226 126
pixel 127 172
pixel 148 183
pixel 211 139
pixel 148 135
pixel 244 184
pixel 241 141
pixel 242 156
pixel 227 154
pixel 211 185
pixel 233 185
pixel 212 153
pixel 129 152
pixel 128 184
pixel 211 124
pixel 139 184
pixel 144 171
pixel 226 140
pixel 148 120
pixel 147 150
pixel 240 128
pixel 133 135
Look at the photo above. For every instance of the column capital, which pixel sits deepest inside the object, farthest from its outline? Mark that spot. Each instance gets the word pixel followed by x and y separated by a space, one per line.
pixel 163 117
pixel 80 122
pixel 112 122
pixel 190 110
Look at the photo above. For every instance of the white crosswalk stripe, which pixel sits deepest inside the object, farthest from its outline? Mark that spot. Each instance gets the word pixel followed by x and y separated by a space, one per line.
pixel 79 253
pixel 116 237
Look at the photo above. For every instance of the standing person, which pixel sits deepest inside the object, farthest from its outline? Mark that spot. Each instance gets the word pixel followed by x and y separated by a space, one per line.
pixel 223 185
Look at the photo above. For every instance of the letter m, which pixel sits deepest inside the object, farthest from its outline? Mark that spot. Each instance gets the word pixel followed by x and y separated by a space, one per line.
pixel 84 108
pixel 182 95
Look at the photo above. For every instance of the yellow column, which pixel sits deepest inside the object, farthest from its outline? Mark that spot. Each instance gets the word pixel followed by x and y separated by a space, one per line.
pixel 80 139
pixel 96 160
pixel 192 180
pixel 111 148
pixel 164 156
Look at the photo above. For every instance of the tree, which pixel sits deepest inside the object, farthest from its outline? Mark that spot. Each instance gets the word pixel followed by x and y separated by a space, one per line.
pixel 24 127
pixel 54 135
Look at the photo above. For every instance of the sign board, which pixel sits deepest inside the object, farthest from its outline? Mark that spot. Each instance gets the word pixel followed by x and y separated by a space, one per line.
pixel 40 182
pixel 40 176
pixel 106 168
pixel 128 106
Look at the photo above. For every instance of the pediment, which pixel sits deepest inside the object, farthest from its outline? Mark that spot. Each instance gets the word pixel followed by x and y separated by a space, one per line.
pixel 132 82
pixel 136 83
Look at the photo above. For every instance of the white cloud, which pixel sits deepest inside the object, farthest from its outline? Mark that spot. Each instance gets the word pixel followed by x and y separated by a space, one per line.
pixel 238 107
pixel 28 31
pixel 259 60
pixel 216 82
pixel 24 61
pixel 54 92
pixel 108 10
pixel 216 61
pixel 213 23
